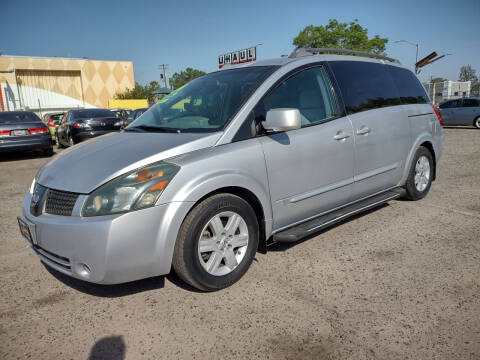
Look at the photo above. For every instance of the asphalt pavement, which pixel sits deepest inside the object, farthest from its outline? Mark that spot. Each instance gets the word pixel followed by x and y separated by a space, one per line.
pixel 399 282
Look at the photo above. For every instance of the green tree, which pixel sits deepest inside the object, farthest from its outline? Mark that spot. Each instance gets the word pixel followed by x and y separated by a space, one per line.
pixel 340 35
pixel 467 73
pixel 438 79
pixel 140 92
pixel 180 79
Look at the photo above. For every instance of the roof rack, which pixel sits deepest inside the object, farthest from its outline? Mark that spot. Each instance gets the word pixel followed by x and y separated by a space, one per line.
pixel 301 52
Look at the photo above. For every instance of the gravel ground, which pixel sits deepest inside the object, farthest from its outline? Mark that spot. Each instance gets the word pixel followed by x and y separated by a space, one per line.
pixel 400 282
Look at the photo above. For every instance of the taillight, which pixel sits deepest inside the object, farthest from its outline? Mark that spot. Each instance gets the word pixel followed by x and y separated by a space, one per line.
pixel 4 133
pixel 437 112
pixel 78 126
pixel 42 130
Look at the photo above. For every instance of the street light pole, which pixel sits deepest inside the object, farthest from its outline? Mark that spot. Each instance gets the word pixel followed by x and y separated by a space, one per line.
pixel 416 55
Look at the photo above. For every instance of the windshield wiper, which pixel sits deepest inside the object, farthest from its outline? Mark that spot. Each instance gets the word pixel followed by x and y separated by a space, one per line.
pixel 147 128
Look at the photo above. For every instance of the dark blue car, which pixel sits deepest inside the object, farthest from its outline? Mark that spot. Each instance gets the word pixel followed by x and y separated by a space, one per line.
pixel 23 130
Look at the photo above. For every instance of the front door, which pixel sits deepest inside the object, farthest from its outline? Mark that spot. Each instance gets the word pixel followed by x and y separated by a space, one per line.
pixel 310 170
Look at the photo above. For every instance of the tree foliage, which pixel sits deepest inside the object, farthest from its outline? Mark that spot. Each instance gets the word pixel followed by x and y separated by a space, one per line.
pixel 140 92
pixel 467 73
pixel 340 35
pixel 185 76
pixel 438 79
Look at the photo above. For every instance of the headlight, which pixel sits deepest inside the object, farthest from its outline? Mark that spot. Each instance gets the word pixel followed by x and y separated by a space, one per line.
pixel 136 190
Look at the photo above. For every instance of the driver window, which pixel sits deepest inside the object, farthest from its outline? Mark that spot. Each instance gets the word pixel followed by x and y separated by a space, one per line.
pixel 308 91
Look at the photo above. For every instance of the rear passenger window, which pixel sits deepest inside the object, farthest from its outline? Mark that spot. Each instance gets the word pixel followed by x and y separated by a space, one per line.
pixel 470 103
pixel 308 91
pixel 409 88
pixel 365 85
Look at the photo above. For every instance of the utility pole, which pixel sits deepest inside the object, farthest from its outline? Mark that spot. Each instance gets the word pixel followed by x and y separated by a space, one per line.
pixel 163 74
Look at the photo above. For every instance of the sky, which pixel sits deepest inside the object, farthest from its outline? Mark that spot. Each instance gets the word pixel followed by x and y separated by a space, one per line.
pixel 193 33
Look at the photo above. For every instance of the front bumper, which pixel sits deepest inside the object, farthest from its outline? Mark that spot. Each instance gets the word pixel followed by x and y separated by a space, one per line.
pixel 108 249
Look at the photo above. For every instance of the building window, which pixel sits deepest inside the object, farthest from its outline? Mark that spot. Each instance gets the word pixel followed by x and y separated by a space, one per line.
pixel 455 93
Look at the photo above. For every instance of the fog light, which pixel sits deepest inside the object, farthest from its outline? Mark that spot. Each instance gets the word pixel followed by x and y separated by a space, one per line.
pixel 83 270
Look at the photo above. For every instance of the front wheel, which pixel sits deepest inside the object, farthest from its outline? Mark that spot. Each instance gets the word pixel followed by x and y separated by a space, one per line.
pixel 476 122
pixel 421 174
pixel 216 243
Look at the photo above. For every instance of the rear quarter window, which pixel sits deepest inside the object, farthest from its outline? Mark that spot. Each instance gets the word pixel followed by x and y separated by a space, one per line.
pixel 409 88
pixel 365 85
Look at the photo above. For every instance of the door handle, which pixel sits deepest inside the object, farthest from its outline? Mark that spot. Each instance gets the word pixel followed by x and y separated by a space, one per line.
pixel 341 136
pixel 363 131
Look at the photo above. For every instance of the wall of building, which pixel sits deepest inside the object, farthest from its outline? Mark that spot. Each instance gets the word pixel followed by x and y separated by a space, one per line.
pixel 61 83
pixel 445 90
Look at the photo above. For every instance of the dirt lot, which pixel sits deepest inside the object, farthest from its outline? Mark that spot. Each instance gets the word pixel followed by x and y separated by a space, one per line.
pixel 401 282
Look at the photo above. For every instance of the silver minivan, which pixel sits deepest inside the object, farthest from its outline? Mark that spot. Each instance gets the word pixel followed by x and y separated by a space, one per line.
pixel 231 163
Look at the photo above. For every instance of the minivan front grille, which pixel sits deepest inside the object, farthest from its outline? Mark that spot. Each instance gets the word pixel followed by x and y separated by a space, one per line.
pixel 60 202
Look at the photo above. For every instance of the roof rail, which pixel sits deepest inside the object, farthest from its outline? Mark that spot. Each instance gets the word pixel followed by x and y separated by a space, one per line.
pixel 301 52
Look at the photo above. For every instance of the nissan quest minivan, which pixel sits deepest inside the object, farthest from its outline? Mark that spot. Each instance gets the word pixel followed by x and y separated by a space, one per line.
pixel 232 162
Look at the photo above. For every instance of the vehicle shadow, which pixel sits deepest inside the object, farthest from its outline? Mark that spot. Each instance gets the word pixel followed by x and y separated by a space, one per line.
pixel 287 245
pixel 459 127
pixel 24 155
pixel 109 291
pixel 111 347
pixel 119 290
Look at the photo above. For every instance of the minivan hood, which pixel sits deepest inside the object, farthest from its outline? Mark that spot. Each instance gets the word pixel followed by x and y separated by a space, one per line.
pixel 84 167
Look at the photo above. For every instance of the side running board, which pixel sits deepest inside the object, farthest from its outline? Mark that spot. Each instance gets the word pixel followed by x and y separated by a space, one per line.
pixel 310 227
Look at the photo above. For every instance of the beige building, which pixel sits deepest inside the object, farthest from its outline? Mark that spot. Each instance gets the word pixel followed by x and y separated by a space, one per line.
pixel 46 84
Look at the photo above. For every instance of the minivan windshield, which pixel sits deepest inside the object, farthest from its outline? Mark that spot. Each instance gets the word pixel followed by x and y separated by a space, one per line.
pixel 205 104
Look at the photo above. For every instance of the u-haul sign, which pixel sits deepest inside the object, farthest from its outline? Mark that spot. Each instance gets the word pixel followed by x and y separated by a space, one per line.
pixel 238 57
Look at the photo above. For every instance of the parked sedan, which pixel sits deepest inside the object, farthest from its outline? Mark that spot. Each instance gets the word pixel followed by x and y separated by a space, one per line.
pixel 79 125
pixel 23 130
pixel 461 112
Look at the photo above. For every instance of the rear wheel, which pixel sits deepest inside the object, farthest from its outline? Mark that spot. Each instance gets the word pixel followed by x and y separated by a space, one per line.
pixel 421 174
pixel 476 122
pixel 216 243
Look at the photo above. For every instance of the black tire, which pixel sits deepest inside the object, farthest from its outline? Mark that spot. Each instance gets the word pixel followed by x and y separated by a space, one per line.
pixel 186 262
pixel 476 122
pixel 412 192
pixel 48 151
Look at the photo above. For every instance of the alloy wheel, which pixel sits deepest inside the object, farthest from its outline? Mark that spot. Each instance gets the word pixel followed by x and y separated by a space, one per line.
pixel 422 173
pixel 223 243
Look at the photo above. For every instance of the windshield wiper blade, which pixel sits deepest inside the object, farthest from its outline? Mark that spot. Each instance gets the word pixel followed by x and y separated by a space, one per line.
pixel 153 129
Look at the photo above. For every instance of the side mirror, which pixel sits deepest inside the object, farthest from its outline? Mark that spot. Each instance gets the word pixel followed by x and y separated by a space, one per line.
pixel 282 119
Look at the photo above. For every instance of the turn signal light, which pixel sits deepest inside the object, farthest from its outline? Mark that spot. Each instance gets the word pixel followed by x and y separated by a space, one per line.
pixel 146 174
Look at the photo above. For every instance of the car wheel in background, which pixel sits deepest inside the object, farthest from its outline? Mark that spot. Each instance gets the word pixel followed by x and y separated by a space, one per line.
pixel 421 174
pixel 216 243
pixel 476 122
